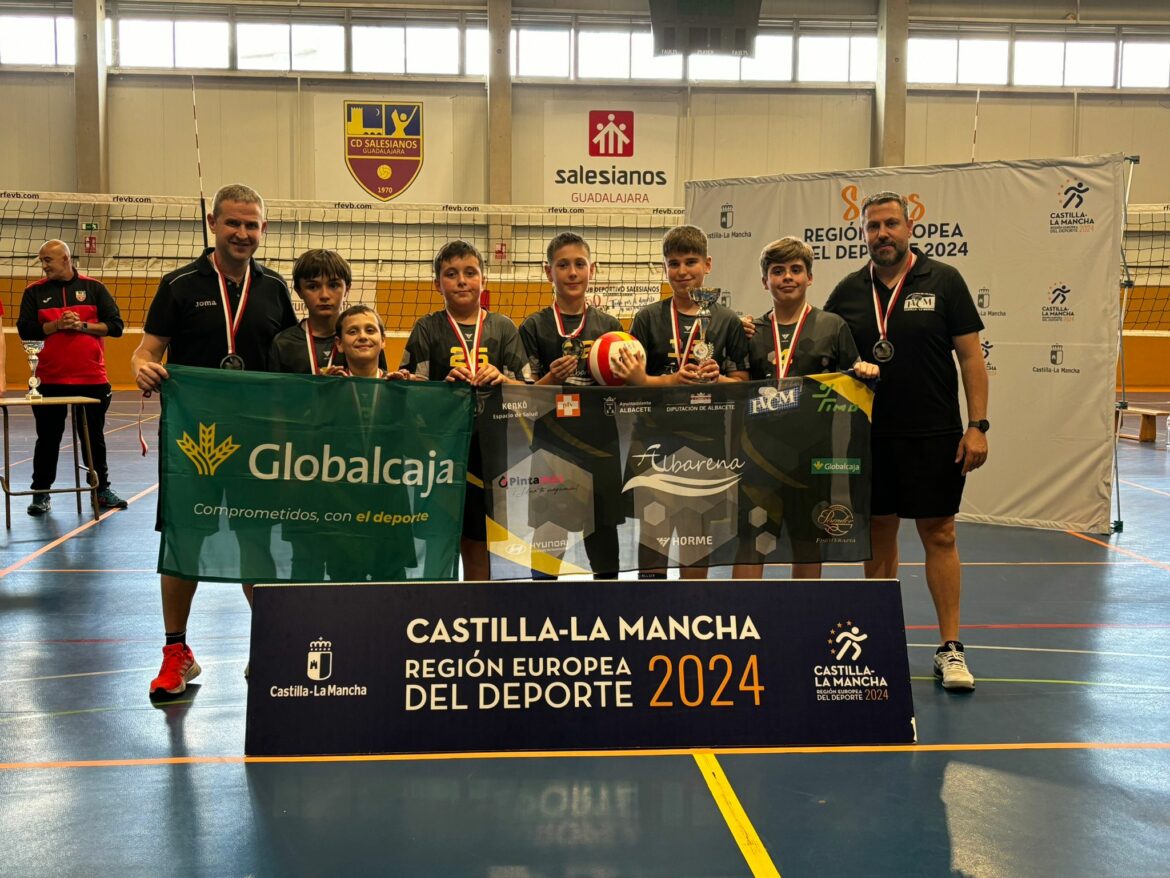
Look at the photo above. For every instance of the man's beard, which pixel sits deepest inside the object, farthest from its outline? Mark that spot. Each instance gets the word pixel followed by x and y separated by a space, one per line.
pixel 884 260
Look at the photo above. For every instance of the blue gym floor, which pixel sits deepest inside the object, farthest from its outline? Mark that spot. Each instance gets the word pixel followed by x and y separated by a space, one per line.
pixel 1057 765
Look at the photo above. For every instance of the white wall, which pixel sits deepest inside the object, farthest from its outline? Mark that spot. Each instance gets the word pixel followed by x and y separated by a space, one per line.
pixel 285 138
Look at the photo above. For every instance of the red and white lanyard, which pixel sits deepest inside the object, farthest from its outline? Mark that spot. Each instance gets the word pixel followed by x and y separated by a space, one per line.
pixel 561 323
pixel 314 369
pixel 232 322
pixel 883 319
pixel 472 362
pixel 784 359
pixel 683 354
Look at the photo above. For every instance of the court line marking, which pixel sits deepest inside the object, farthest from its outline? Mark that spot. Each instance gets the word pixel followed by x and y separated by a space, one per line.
pixel 61 539
pixel 1043 626
pixel 1105 684
pixel 738 822
pixel 584 754
pixel 68 446
pixel 1112 548
pixel 1144 487
pixel 202 664
pixel 1148 655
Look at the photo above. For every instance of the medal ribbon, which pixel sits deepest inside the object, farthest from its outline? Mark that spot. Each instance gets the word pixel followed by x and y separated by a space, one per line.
pixel 782 358
pixel 683 354
pixel 561 324
pixel 312 348
pixel 232 324
pixel 883 320
pixel 472 362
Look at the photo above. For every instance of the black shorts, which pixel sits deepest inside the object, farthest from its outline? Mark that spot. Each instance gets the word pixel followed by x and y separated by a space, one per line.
pixel 917 477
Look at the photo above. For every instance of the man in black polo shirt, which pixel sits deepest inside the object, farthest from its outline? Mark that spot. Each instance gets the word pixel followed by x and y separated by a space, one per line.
pixel 221 311
pixel 908 313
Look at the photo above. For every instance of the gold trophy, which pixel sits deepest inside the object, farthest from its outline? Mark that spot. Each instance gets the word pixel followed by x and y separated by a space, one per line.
pixel 33 349
pixel 704 297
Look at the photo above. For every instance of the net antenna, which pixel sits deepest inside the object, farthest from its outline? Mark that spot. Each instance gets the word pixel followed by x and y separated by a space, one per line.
pixel 1126 289
pixel 199 166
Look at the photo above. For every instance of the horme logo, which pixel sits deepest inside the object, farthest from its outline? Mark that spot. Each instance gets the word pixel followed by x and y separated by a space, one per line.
pixel 206 454
pixel 320 661
pixel 611 133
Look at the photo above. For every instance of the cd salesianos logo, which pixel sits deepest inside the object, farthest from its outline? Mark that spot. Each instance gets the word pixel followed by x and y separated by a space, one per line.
pixel 206 454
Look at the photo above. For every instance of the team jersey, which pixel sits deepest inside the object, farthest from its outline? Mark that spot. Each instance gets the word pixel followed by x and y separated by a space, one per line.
pixel 188 310
pixel 825 345
pixel 69 357
pixel 544 343
pixel 432 350
pixel 653 327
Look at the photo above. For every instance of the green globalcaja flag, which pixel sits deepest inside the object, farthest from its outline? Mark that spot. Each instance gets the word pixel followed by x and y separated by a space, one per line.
pixel 278 477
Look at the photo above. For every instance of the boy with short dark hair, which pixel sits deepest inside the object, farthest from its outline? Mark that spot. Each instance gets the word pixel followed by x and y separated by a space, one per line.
pixel 558 339
pixel 322 279
pixel 462 342
pixel 681 348
pixel 792 339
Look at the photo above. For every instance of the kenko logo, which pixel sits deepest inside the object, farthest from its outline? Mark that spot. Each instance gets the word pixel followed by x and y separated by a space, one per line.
pixel 611 133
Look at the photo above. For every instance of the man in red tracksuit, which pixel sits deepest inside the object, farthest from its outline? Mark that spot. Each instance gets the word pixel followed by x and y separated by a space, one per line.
pixel 72 313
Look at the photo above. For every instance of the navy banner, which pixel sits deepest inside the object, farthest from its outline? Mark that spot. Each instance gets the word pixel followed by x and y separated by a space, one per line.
pixel 457 667
pixel 602 479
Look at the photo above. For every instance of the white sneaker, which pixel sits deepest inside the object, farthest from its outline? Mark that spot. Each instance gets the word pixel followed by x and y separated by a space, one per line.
pixel 950 665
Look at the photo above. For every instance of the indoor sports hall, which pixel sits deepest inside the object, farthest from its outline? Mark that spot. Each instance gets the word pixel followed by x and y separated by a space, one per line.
pixel 384 131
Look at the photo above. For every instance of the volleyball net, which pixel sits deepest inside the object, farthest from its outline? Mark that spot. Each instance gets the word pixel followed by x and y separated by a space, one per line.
pixel 128 242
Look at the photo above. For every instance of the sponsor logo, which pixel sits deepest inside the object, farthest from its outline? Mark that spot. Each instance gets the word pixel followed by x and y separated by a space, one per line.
pixel 987 347
pixel 1071 217
pixel 383 145
pixel 515 408
pixel 835 519
pixel 850 195
pixel 676 540
pixel 831 466
pixel 727 216
pixel 683 475
pixel 1056 363
pixel 700 399
pixel 80 295
pixel 320 661
pixel 919 302
pixel 845 679
pixel 272 462
pixel 207 454
pixel 1056 309
pixel 568 405
pixel 846 638
pixel 206 303
pixel 983 303
pixel 611 133
pixel 521 481
pixel 770 400
pixel 318 668
pixel 634 407
pixel 828 400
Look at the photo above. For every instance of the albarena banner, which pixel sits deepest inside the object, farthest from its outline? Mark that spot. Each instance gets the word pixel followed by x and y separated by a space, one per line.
pixel 604 479
pixel 302 478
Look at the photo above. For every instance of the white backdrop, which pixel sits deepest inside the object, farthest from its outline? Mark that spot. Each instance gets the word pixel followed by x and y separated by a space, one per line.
pixel 1038 243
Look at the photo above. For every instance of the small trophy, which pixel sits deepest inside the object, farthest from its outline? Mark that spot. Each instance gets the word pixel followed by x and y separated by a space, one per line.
pixel 704 297
pixel 33 349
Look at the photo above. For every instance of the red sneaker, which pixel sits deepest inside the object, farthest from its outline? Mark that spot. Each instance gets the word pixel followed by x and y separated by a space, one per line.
pixel 178 668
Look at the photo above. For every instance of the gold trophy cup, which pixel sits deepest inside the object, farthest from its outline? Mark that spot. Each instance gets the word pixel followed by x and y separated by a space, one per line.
pixel 33 349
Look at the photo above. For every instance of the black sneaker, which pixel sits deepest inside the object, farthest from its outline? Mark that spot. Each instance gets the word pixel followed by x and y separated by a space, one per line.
pixel 107 499
pixel 41 503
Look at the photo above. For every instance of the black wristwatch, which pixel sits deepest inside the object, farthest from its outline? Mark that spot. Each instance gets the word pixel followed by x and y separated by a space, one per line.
pixel 982 425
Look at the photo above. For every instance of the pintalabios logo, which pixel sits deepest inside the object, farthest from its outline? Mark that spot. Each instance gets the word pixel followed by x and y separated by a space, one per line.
pixel 611 133
pixel 206 454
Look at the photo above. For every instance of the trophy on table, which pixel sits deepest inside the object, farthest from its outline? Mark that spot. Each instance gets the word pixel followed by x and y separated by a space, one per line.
pixel 33 349
pixel 704 297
